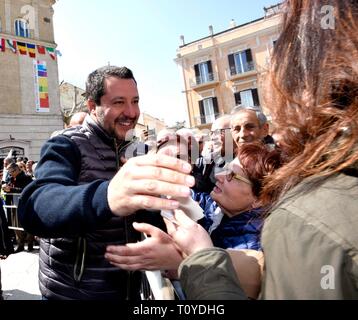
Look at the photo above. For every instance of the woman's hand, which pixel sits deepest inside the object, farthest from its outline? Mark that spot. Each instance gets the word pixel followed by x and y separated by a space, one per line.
pixel 157 252
pixel 189 236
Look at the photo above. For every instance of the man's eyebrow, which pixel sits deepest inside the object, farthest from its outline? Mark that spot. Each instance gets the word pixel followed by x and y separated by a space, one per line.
pixel 117 98
pixel 123 98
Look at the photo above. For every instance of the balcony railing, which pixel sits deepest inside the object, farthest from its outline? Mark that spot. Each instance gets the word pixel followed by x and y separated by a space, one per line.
pixel 207 119
pixel 249 66
pixel 207 79
pixel 204 79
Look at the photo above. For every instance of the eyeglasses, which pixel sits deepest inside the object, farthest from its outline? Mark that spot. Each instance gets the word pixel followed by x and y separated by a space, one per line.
pixel 238 177
pixel 230 174
pixel 219 131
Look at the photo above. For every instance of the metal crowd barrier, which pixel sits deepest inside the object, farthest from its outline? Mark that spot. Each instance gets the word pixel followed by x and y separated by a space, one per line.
pixel 11 201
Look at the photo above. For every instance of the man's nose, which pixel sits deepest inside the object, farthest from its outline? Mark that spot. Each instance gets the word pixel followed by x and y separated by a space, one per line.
pixel 131 111
pixel 242 133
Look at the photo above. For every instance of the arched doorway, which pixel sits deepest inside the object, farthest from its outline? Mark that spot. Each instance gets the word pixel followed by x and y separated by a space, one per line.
pixel 20 148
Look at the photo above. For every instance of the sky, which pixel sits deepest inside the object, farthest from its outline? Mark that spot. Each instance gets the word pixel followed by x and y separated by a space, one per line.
pixel 142 35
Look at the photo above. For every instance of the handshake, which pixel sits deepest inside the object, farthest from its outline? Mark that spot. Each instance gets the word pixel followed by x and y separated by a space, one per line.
pixel 151 182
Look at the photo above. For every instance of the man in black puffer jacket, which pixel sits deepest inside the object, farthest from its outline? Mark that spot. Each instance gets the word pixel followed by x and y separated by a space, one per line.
pixel 84 198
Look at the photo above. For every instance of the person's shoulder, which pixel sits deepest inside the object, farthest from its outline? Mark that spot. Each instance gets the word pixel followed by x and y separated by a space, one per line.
pixel 330 208
pixel 60 138
pixel 316 193
pixel 59 144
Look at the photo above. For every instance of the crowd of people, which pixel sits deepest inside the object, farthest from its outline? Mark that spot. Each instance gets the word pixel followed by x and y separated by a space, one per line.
pixel 17 173
pixel 236 214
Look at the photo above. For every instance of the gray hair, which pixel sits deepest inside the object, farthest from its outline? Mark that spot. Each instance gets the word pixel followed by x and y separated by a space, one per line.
pixel 10 160
pixel 259 114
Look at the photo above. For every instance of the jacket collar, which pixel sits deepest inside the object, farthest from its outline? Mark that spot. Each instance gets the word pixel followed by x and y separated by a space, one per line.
pixel 97 129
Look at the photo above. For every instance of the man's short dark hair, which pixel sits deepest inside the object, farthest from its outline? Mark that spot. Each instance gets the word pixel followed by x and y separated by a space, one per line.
pixel 95 81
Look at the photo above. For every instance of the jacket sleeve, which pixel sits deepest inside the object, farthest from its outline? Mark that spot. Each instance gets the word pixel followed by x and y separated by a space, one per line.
pixel 303 262
pixel 54 205
pixel 210 275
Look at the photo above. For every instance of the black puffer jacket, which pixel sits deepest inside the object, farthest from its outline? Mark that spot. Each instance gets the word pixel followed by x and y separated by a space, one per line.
pixel 67 204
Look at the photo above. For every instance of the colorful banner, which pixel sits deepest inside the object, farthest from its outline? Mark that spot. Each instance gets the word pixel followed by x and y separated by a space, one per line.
pixel 31 50
pixel 51 52
pixel 22 48
pixel 2 44
pixel 41 49
pixel 11 44
pixel 41 87
pixel 28 48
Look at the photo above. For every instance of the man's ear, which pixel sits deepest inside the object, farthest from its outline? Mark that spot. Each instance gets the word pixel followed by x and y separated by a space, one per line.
pixel 91 105
pixel 265 130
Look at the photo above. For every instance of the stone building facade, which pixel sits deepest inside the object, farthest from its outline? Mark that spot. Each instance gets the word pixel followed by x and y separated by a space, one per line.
pixel 29 89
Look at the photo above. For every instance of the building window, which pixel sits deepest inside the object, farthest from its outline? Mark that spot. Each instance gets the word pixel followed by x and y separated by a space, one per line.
pixel 247 98
pixel 0 26
pixel 209 110
pixel 241 62
pixel 22 28
pixel 204 72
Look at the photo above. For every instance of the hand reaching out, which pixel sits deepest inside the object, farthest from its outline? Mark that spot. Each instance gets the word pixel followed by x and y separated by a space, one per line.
pixel 189 236
pixel 156 252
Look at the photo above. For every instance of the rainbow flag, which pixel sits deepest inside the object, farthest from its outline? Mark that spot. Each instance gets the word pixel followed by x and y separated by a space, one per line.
pixel 41 87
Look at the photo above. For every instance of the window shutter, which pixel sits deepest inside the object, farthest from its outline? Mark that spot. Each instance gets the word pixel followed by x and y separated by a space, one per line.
pixel 248 55
pixel 202 112
pixel 255 97
pixel 237 98
pixel 216 107
pixel 232 64
pixel 197 72
pixel 210 70
pixel 210 67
